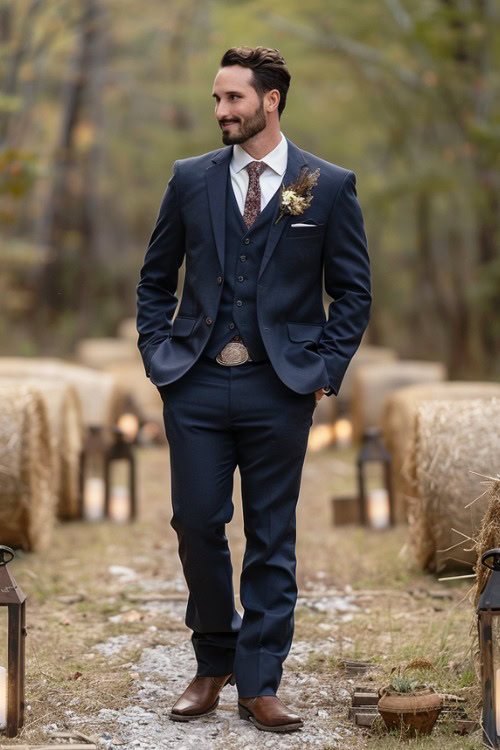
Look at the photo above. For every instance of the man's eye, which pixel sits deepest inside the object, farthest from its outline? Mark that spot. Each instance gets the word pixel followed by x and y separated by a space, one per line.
pixel 234 96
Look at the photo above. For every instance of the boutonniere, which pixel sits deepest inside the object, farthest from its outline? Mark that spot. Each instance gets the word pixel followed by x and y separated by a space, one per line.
pixel 296 197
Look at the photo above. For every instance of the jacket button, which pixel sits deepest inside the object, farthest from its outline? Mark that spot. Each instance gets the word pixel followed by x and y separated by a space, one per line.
pixel 240 278
pixel 208 321
pixel 231 326
pixel 243 257
pixel 247 241
pixel 219 279
pixel 239 302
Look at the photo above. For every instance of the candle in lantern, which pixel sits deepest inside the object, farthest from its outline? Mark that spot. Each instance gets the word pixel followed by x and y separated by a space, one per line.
pixel 129 425
pixel 3 697
pixel 93 499
pixel 378 508
pixel 119 505
pixel 343 433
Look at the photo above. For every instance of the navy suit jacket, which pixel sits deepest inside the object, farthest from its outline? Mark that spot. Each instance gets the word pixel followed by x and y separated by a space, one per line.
pixel 307 349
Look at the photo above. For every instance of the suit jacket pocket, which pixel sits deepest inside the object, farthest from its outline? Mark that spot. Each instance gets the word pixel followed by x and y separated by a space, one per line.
pixel 305 331
pixel 183 326
pixel 308 232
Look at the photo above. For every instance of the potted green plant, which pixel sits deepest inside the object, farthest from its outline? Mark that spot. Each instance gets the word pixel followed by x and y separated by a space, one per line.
pixel 408 704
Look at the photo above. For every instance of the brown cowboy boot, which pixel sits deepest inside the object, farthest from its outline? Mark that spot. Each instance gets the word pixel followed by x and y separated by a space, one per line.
pixel 200 698
pixel 269 714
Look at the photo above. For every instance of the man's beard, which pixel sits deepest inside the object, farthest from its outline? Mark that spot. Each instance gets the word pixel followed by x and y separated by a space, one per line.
pixel 250 127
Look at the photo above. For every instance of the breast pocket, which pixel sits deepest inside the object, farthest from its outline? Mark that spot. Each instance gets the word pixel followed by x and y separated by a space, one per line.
pixel 313 231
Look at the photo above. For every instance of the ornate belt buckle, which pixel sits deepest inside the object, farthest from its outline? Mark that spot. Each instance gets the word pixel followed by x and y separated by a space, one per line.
pixel 234 353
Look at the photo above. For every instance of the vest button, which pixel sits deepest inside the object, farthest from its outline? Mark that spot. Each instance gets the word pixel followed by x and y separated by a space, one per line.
pixel 247 241
pixel 240 278
pixel 231 326
pixel 208 321
pixel 239 302
pixel 243 257
pixel 219 279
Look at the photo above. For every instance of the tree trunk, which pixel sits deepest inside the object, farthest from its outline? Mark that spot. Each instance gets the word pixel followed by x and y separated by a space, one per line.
pixel 68 210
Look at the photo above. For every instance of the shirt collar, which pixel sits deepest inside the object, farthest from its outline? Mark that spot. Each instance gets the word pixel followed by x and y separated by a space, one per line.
pixel 276 159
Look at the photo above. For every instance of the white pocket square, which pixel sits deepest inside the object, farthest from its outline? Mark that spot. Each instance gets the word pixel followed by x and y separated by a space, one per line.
pixel 309 226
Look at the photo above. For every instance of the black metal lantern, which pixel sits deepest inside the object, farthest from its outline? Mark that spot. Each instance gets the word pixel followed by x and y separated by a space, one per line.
pixel 374 451
pixel 120 451
pixel 98 457
pixel 12 681
pixel 92 475
pixel 488 612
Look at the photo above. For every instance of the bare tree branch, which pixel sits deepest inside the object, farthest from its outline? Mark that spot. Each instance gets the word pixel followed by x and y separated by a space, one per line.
pixel 349 47
pixel 400 15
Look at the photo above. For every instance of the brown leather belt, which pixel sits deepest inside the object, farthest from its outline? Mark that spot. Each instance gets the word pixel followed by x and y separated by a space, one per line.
pixel 234 353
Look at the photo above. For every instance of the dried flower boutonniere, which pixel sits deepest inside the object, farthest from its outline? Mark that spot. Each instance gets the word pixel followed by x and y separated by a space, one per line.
pixel 295 198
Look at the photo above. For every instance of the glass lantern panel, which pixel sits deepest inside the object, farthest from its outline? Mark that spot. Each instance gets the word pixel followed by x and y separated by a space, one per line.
pixel 4 621
pixel 496 668
pixel 93 498
pixel 119 498
pixel 93 487
pixel 376 495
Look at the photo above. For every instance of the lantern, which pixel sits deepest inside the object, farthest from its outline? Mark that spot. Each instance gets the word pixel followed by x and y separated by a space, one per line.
pixel 488 612
pixel 100 495
pixel 120 502
pixel 376 506
pixel 12 678
pixel 92 490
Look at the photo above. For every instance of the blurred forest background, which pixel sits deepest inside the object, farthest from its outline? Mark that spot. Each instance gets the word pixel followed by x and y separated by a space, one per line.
pixel 99 97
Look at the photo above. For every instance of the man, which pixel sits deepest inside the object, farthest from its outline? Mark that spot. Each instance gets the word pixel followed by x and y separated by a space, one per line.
pixel 242 365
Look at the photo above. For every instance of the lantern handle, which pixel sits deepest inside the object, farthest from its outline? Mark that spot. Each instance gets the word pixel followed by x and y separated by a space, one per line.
pixel 495 554
pixel 6 555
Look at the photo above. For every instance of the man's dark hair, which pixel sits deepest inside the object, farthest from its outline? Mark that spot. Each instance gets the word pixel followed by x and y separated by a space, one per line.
pixel 268 67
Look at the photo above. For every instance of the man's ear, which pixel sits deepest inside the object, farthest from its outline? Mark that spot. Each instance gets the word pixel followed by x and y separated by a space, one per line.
pixel 272 100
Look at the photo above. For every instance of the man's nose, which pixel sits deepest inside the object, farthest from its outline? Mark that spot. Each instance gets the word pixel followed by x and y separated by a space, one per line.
pixel 221 111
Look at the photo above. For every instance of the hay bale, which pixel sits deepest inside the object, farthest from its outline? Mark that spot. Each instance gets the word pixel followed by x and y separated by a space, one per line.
pixel 127 329
pixel 488 536
pixel 142 397
pixel 100 352
pixel 365 355
pixel 66 434
pixel 100 396
pixel 27 500
pixel 398 428
pixel 452 439
pixel 374 382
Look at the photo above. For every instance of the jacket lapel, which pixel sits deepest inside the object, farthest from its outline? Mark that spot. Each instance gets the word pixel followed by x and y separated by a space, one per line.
pixel 216 176
pixel 294 164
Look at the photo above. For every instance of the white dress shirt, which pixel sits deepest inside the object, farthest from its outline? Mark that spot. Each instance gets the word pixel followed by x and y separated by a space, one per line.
pixel 270 179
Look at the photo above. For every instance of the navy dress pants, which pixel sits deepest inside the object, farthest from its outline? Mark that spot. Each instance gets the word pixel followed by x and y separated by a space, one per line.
pixel 216 418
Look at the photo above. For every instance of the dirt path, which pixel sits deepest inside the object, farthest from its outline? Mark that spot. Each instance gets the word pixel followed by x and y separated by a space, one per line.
pixel 108 651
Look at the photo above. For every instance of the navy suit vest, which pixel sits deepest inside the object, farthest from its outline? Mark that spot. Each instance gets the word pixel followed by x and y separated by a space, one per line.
pixel 237 314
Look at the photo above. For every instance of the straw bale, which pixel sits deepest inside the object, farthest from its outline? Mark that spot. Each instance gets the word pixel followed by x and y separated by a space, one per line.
pixel 127 329
pixel 488 535
pixel 99 352
pixel 453 439
pixel 66 433
pixel 27 500
pixel 374 382
pixel 399 422
pixel 365 355
pixel 100 396
pixel 142 396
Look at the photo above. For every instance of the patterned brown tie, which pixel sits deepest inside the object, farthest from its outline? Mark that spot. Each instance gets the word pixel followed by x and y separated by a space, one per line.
pixel 253 199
